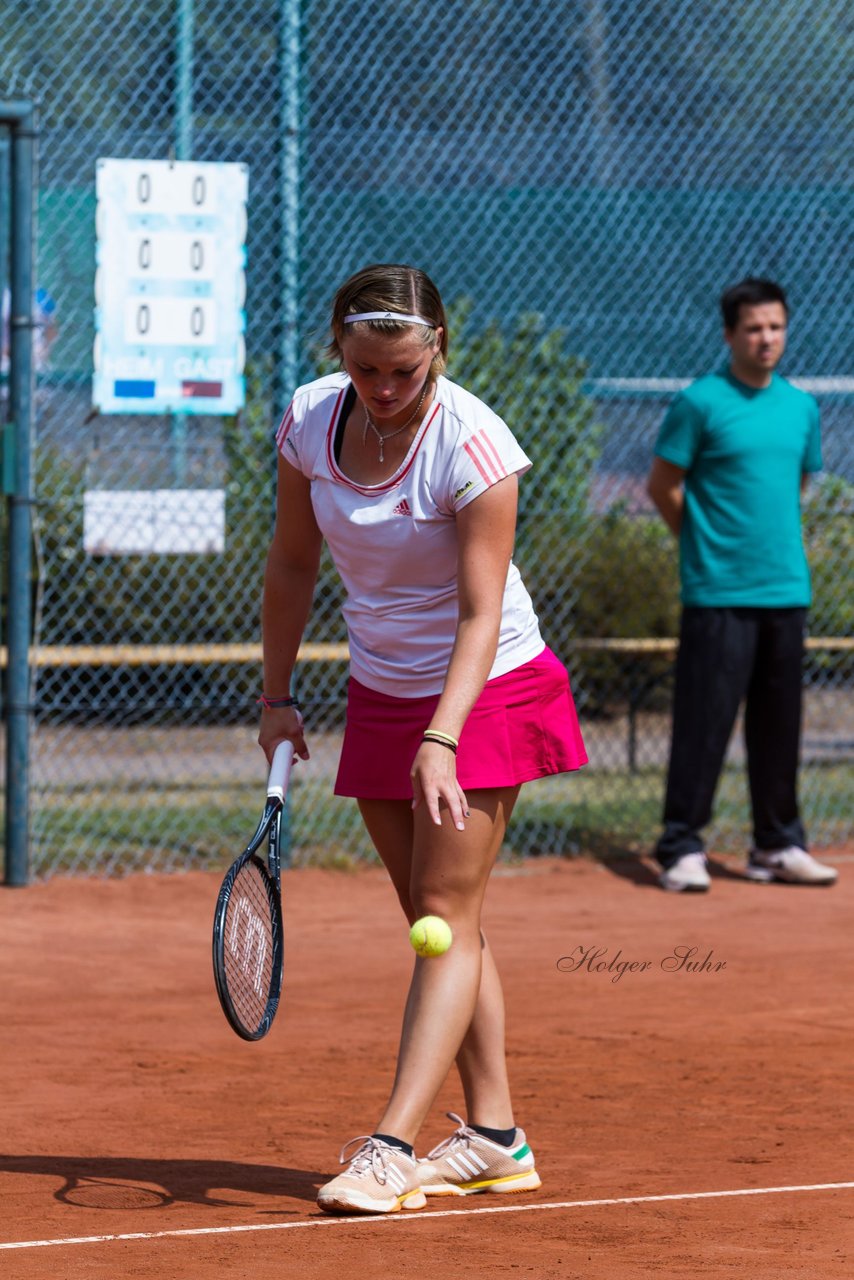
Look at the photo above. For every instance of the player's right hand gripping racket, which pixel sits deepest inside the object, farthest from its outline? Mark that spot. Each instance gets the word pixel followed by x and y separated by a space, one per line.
pixel 248 944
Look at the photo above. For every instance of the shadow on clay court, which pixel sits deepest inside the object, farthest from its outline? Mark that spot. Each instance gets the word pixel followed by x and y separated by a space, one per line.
pixel 631 867
pixel 117 1183
pixel 723 871
pixel 644 871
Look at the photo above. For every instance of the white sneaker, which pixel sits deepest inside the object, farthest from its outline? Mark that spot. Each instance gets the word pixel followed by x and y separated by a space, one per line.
pixel 381 1179
pixel 690 874
pixel 467 1163
pixel 792 865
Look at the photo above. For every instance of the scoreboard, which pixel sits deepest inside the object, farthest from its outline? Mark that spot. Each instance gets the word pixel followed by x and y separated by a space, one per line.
pixel 170 287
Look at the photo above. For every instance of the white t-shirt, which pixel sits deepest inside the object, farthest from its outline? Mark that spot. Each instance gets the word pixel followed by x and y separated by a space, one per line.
pixel 395 544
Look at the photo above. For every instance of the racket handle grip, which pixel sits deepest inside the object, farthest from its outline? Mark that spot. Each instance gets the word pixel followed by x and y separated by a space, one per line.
pixel 280 770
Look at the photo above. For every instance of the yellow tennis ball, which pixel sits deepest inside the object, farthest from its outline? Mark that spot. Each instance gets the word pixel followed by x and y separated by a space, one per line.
pixel 430 936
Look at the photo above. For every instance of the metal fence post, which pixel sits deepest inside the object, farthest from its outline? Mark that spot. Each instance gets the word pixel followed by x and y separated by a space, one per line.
pixel 20 116
pixel 288 371
pixel 185 52
pixel 290 176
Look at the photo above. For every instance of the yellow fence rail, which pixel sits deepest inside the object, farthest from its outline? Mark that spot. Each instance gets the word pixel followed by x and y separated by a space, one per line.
pixel 140 655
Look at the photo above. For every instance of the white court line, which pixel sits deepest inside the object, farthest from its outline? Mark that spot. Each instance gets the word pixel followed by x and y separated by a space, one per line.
pixel 416 1216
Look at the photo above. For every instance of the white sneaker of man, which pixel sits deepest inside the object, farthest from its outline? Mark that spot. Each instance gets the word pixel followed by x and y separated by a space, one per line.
pixel 792 866
pixel 690 874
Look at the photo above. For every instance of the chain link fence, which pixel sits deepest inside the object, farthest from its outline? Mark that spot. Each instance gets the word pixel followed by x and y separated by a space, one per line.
pixel 581 180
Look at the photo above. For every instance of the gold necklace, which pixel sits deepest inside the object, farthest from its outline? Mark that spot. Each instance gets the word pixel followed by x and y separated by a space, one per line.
pixel 369 422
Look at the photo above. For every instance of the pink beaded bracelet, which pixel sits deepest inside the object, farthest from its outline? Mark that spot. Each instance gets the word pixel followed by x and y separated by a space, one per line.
pixel 270 703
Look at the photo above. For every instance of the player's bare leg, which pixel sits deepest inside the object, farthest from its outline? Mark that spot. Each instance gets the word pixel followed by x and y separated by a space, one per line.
pixel 481 1061
pixel 455 1000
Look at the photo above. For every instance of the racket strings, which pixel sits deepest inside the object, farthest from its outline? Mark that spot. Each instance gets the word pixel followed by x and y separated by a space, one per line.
pixel 249 944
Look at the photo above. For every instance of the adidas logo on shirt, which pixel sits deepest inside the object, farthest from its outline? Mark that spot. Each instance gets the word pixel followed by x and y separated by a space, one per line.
pixel 402 509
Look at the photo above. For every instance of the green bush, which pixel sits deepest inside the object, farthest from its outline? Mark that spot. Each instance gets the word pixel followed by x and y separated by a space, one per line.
pixel 529 378
pixel 829 538
pixel 625 586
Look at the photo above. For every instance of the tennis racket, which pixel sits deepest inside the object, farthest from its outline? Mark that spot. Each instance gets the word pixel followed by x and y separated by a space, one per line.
pixel 248 943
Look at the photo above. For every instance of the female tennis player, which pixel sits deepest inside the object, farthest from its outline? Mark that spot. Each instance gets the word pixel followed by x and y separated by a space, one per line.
pixel 453 702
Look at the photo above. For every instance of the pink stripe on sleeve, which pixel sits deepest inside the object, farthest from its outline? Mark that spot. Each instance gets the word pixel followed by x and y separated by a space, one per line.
pixel 484 474
pixel 485 457
pixel 490 450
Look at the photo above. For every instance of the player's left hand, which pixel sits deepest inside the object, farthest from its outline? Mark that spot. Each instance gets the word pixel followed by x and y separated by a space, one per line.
pixel 434 783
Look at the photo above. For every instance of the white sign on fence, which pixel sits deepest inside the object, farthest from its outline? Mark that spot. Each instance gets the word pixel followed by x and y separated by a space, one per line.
pixel 153 522
pixel 170 287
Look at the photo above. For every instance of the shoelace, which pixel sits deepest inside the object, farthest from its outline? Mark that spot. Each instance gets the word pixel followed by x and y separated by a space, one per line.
pixel 372 1156
pixel 462 1136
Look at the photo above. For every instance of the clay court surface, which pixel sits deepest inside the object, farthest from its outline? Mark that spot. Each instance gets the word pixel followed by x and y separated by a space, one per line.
pixel 129 1107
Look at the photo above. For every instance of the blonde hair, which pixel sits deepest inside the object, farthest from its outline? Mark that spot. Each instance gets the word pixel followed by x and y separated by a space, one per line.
pixel 390 286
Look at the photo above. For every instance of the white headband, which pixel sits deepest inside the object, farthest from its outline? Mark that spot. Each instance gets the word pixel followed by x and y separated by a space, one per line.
pixel 397 316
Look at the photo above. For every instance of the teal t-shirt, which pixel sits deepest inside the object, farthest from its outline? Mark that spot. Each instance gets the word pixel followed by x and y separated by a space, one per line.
pixel 743 451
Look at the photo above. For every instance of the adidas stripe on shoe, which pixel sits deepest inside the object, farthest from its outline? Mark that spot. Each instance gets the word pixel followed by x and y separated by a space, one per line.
pixel 467 1163
pixel 381 1179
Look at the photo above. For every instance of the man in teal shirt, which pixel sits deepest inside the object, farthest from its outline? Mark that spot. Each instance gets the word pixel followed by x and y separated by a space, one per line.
pixel 731 460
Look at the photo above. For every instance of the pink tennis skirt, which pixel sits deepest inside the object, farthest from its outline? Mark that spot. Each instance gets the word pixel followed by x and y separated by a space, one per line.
pixel 523 726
